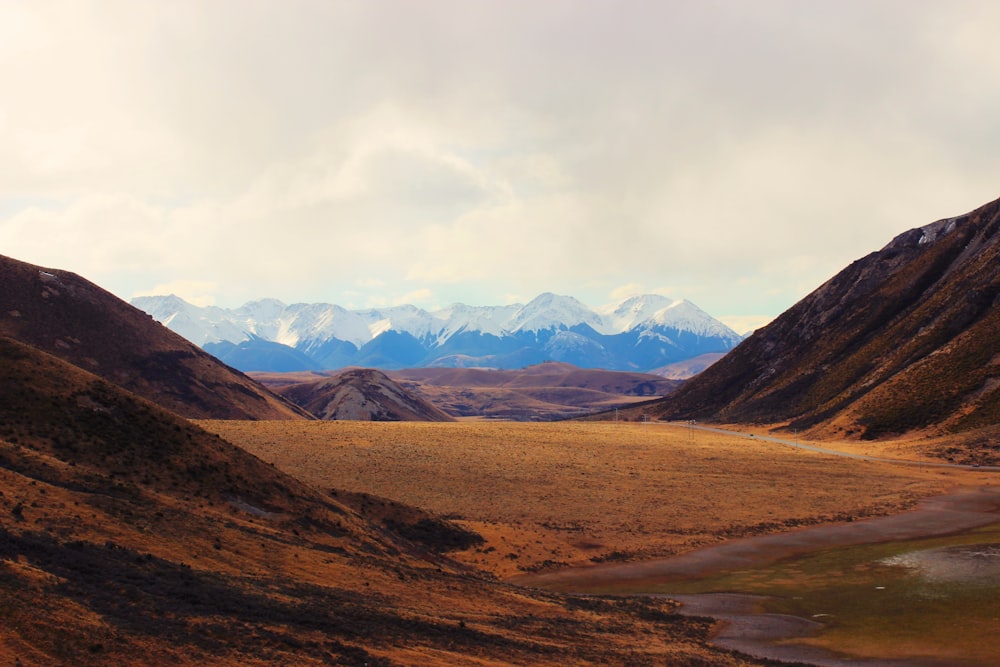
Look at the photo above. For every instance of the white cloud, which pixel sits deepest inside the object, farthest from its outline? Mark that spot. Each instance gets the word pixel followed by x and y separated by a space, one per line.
pixel 738 153
pixel 198 292
pixel 625 291
pixel 745 324
pixel 420 296
pixel 95 235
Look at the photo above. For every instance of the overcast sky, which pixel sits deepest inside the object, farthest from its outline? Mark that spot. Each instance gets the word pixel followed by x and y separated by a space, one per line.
pixel 734 153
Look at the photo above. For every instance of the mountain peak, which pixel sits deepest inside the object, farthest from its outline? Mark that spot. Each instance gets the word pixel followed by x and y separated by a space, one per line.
pixel 639 333
pixel 266 308
pixel 552 311
pixel 634 310
pixel 649 311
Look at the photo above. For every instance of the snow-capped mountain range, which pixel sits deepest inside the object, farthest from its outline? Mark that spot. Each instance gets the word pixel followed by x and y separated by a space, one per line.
pixel 639 333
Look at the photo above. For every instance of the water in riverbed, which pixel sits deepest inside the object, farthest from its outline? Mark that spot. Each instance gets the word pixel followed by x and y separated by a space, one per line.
pixel 977 564
pixel 926 602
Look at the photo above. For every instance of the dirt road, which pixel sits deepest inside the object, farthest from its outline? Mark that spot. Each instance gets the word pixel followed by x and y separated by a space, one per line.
pixel 835 452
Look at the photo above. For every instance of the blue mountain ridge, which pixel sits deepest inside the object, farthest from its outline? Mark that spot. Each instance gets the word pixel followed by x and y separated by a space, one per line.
pixel 393 350
pixel 640 334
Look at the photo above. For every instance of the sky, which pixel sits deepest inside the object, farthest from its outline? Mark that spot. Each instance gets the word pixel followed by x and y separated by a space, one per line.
pixel 377 152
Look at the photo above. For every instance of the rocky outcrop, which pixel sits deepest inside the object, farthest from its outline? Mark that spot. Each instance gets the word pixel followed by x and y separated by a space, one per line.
pixel 362 394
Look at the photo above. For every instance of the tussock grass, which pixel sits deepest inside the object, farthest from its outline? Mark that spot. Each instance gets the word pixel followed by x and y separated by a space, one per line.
pixel 130 536
pixel 549 495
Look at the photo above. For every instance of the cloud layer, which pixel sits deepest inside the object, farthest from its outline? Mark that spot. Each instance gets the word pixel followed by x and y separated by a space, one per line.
pixel 736 154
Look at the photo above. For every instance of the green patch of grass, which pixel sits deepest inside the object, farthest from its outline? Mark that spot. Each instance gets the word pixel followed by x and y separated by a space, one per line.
pixel 874 608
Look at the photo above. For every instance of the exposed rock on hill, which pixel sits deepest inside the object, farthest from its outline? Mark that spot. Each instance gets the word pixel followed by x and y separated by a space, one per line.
pixel 362 394
pixel 67 316
pixel 905 338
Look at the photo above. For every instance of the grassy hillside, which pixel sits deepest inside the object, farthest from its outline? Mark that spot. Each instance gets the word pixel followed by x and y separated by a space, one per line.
pixel 904 339
pixel 571 493
pixel 67 316
pixel 543 392
pixel 547 391
pixel 361 393
pixel 131 536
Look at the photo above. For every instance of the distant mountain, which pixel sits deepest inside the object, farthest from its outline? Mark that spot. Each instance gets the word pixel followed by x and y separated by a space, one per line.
pixel 69 317
pixel 362 394
pixel 906 338
pixel 637 334
pixel 687 369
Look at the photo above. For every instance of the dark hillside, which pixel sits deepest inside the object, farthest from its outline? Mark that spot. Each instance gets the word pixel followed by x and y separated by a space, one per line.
pixel 62 423
pixel 903 339
pixel 67 316
pixel 129 536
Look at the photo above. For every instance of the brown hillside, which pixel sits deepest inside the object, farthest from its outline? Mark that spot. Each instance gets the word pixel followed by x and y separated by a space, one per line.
pixel 130 536
pixel 65 315
pixel 907 338
pixel 365 394
pixel 550 390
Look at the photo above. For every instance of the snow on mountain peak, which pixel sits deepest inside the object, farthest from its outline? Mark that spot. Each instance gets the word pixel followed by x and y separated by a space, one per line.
pixel 199 325
pixel 263 308
pixel 311 323
pixel 310 328
pixel 459 317
pixel 648 311
pixel 406 318
pixel 633 311
pixel 552 311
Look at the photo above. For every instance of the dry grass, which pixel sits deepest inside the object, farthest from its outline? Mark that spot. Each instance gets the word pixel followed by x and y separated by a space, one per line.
pixel 556 494
pixel 86 581
pixel 129 536
pixel 212 585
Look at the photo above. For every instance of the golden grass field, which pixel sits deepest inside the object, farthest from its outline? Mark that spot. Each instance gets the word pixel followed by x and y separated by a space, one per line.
pixel 548 495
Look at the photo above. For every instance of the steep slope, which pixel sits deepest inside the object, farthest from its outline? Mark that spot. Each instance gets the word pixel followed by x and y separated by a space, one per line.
pixel 107 497
pixel 905 338
pixel 365 394
pixel 130 536
pixel 65 315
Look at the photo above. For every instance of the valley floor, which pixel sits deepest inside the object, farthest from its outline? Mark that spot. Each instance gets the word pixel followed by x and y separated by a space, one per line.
pixel 558 504
pixel 547 496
